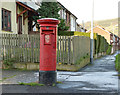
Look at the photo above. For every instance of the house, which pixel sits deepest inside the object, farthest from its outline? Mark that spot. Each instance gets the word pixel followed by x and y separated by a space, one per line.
pixel 80 28
pixel 111 38
pixel 69 18
pixel 16 17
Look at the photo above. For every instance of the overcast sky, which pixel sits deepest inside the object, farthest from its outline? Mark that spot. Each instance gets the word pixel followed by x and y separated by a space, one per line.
pixel 103 9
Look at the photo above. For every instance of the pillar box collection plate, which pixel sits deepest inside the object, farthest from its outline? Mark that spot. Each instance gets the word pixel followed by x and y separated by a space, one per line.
pixel 48 44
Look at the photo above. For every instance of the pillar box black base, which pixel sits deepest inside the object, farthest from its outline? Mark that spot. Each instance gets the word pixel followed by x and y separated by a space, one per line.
pixel 47 77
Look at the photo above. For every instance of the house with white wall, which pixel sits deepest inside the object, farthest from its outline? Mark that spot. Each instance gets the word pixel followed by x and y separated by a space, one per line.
pixel 69 18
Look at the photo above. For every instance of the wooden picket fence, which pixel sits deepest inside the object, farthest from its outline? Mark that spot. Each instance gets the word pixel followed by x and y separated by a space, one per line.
pixel 23 48
pixel 65 49
pixel 26 48
pixel 72 48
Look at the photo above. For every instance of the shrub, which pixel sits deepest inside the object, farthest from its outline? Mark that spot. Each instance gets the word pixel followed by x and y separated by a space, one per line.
pixel 9 62
pixel 101 44
pixel 109 50
pixel 84 34
pixel 117 62
pixel 65 33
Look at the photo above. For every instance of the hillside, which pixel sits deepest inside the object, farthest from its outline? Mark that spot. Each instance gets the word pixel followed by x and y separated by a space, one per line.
pixel 107 24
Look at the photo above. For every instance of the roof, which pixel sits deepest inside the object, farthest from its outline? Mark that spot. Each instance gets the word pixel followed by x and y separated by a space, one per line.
pixel 67 9
pixel 108 31
pixel 104 30
pixel 100 28
pixel 25 5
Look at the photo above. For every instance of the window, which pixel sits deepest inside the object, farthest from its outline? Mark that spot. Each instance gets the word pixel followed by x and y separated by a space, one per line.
pixel 34 28
pixel 59 12
pixel 73 22
pixel 64 15
pixel 6 20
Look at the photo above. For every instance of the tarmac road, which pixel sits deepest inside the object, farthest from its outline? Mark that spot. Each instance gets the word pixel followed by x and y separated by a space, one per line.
pixel 99 78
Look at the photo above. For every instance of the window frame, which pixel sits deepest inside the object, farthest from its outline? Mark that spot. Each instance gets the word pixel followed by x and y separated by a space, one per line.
pixel 8 16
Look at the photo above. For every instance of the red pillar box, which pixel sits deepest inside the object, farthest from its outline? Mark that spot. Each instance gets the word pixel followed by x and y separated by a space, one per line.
pixel 48 44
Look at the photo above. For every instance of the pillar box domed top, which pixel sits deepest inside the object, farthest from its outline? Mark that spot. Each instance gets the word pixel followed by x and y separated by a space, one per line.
pixel 48 22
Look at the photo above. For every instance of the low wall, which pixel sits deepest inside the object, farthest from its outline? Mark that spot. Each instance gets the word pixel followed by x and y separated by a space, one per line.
pixel 35 66
pixel 74 68
pixel 23 66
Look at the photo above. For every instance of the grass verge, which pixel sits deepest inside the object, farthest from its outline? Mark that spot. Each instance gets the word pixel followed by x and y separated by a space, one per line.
pixel 37 84
pixel 7 78
pixel 31 84
pixel 117 62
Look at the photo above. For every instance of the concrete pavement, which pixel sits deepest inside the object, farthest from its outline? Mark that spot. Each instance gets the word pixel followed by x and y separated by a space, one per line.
pixel 99 77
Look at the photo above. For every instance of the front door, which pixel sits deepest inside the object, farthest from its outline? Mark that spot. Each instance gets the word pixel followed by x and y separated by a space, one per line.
pixel 20 25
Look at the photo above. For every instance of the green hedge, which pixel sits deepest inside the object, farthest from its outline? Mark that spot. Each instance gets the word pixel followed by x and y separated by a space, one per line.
pixel 97 44
pixel 117 62
pixel 66 33
pixel 84 34
pixel 101 44
pixel 109 50
pixel 75 33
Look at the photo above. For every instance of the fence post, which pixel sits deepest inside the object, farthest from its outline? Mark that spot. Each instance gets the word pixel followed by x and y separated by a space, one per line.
pixel 63 49
pixel 1 51
pixel 60 50
pixel 69 49
pixel 3 46
pixel 73 50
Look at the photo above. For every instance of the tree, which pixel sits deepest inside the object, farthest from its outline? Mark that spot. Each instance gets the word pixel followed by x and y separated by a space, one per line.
pixel 50 10
pixel 62 27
